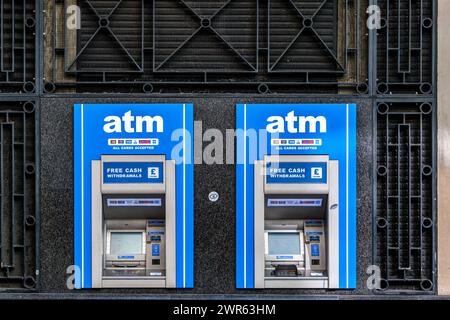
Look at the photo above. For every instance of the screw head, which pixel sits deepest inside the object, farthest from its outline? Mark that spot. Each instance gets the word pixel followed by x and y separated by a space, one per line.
pixel 213 196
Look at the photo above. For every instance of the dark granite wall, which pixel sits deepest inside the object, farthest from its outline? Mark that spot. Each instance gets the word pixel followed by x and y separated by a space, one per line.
pixel 214 222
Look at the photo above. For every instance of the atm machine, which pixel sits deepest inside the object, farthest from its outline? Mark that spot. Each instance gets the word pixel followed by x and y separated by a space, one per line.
pixel 133 222
pixel 296 222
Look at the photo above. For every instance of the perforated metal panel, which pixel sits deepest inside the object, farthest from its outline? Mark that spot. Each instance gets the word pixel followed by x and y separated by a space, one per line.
pixel 18 195
pixel 208 46
pixel 404 220
pixel 17 46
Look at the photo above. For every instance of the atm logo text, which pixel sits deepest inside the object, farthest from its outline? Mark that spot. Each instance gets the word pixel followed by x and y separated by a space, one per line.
pixel 296 124
pixel 133 124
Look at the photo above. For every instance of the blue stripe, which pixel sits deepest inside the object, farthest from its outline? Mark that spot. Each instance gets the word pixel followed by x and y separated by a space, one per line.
pixel 77 185
pixel 240 282
pixel 352 200
pixel 179 239
pixel 189 194
pixel 250 225
pixel 87 215
pixel 343 215
pixel 244 217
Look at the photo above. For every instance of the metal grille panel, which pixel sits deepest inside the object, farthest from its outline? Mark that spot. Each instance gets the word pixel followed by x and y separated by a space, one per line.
pixel 404 220
pixel 209 46
pixel 17 46
pixel 405 47
pixel 17 196
pixel 211 36
pixel 311 45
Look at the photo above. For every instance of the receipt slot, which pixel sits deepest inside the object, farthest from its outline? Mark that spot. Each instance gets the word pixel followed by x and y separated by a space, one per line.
pixel 133 222
pixel 296 222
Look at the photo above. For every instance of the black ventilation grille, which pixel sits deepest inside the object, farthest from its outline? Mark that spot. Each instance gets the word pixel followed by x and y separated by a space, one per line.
pixel 405 47
pixel 112 39
pixel 404 222
pixel 17 46
pixel 264 46
pixel 206 36
pixel 18 219
pixel 302 37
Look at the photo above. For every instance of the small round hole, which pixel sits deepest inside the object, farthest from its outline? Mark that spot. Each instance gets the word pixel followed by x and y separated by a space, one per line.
pixel 307 22
pixel 147 88
pixel 426 285
pixel 29 282
pixel 427 170
pixel 383 108
pixel 263 88
pixel 206 22
pixel 382 170
pixel 30 22
pixel 382 88
pixel 382 223
pixel 28 87
pixel 30 221
pixel 29 107
pixel 427 23
pixel 49 87
pixel 426 108
pixel 384 284
pixel 427 223
pixel 362 88
pixel 29 168
pixel 426 88
pixel 103 22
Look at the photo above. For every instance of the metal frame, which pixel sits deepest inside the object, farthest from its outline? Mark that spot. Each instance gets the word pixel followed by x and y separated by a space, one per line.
pixel 22 271
pixel 418 168
pixel 406 93
pixel 261 76
pixel 416 75
pixel 17 32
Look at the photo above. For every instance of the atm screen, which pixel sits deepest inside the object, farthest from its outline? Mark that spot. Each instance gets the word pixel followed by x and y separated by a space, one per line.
pixel 284 243
pixel 123 243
